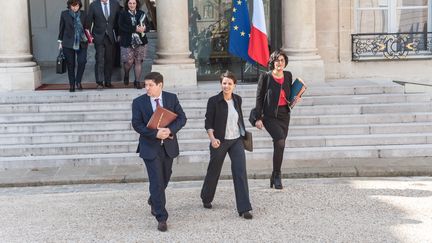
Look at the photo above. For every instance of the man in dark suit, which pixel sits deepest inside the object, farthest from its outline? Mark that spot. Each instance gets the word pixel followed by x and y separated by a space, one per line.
pixel 103 15
pixel 157 147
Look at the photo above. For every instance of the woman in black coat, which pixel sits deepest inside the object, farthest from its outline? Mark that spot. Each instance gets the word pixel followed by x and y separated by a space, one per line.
pixel 133 24
pixel 73 41
pixel 225 128
pixel 273 110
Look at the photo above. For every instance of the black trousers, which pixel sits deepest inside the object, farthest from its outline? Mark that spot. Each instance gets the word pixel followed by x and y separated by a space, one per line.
pixel 159 172
pixel 81 60
pixel 104 61
pixel 236 152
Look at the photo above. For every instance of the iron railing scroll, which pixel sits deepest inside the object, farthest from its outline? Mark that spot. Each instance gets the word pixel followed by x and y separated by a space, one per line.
pixel 391 46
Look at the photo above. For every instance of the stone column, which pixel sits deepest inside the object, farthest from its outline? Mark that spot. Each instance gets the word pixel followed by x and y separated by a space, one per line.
pixel 172 52
pixel 299 40
pixel 17 70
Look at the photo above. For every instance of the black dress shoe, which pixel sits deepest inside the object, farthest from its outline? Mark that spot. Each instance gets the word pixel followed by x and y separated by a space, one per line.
pixel 99 86
pixel 108 85
pixel 79 86
pixel 162 226
pixel 71 88
pixel 126 80
pixel 207 205
pixel 246 215
pixel 137 85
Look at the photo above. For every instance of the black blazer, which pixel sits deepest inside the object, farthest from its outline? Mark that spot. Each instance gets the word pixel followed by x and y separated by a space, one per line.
pixel 217 114
pixel 126 29
pixel 100 24
pixel 268 92
pixel 66 29
pixel 149 145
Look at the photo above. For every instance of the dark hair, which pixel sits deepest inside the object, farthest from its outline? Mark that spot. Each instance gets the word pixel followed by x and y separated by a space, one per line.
pixel 127 7
pixel 155 76
pixel 274 56
pixel 74 2
pixel 228 74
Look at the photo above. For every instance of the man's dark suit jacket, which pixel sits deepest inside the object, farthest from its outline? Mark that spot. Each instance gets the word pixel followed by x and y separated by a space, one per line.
pixel 67 31
pixel 148 143
pixel 101 25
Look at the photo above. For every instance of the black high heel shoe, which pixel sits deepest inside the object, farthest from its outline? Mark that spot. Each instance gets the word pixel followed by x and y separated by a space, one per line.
pixel 276 180
pixel 72 88
pixel 246 215
pixel 79 86
pixel 137 85
pixel 126 80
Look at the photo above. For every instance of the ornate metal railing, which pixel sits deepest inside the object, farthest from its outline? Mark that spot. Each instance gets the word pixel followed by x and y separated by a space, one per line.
pixel 391 46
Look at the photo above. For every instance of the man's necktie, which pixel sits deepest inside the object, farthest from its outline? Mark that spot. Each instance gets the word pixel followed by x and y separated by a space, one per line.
pixel 157 102
pixel 106 10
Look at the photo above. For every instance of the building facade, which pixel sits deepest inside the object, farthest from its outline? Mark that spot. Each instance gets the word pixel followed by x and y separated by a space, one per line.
pixel 325 40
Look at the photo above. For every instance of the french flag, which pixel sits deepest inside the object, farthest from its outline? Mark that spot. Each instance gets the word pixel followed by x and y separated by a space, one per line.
pixel 258 43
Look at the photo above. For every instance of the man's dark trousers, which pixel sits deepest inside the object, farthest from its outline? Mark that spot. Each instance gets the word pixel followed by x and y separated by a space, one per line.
pixel 159 171
pixel 104 61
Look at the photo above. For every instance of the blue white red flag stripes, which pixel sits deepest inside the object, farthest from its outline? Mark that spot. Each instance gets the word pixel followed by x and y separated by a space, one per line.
pixel 240 30
pixel 258 43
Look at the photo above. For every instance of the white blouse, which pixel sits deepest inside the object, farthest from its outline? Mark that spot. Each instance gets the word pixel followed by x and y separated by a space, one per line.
pixel 232 130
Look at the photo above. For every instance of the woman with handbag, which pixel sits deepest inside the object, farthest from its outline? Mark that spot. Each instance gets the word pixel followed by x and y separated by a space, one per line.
pixel 225 129
pixel 73 42
pixel 272 109
pixel 133 24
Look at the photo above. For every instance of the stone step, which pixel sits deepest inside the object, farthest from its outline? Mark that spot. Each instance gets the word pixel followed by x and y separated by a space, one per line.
pixel 342 119
pixel 306 104
pixel 88 132
pixel 129 145
pixel 200 92
pixel 78 114
pixel 85 131
pixel 50 127
pixel 291 155
pixel 362 109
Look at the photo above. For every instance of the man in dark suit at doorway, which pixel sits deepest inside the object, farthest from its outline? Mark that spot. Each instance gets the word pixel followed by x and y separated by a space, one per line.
pixel 157 147
pixel 103 15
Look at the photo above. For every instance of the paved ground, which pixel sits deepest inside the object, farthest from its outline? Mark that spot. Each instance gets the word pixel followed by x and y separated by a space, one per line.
pixel 307 210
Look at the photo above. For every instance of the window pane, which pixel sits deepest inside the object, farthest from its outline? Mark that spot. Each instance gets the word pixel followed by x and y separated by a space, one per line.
pixel 411 20
pixel 372 21
pixel 373 3
pixel 407 3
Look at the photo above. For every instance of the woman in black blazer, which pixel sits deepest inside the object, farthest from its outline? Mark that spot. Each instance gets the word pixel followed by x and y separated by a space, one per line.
pixel 73 41
pixel 272 109
pixel 133 24
pixel 225 128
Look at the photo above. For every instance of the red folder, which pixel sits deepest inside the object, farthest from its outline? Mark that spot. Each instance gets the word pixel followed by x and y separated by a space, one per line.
pixel 89 36
pixel 161 118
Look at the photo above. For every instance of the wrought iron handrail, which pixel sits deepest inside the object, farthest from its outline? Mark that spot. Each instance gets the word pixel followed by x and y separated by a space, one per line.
pixel 391 46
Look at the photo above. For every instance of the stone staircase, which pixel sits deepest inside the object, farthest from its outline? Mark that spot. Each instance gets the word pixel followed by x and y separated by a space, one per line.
pixel 334 121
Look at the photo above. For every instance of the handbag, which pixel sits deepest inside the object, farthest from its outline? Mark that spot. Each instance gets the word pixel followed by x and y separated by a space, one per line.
pixel 248 141
pixel 61 63
pixel 253 117
pixel 253 113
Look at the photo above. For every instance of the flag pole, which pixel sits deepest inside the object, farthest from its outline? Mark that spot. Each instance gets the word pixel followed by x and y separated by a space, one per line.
pixel 241 70
pixel 257 68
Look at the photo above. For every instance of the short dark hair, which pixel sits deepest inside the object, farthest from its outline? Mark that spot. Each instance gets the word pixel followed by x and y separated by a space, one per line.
pixel 228 74
pixel 74 2
pixel 155 76
pixel 274 56
pixel 127 7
